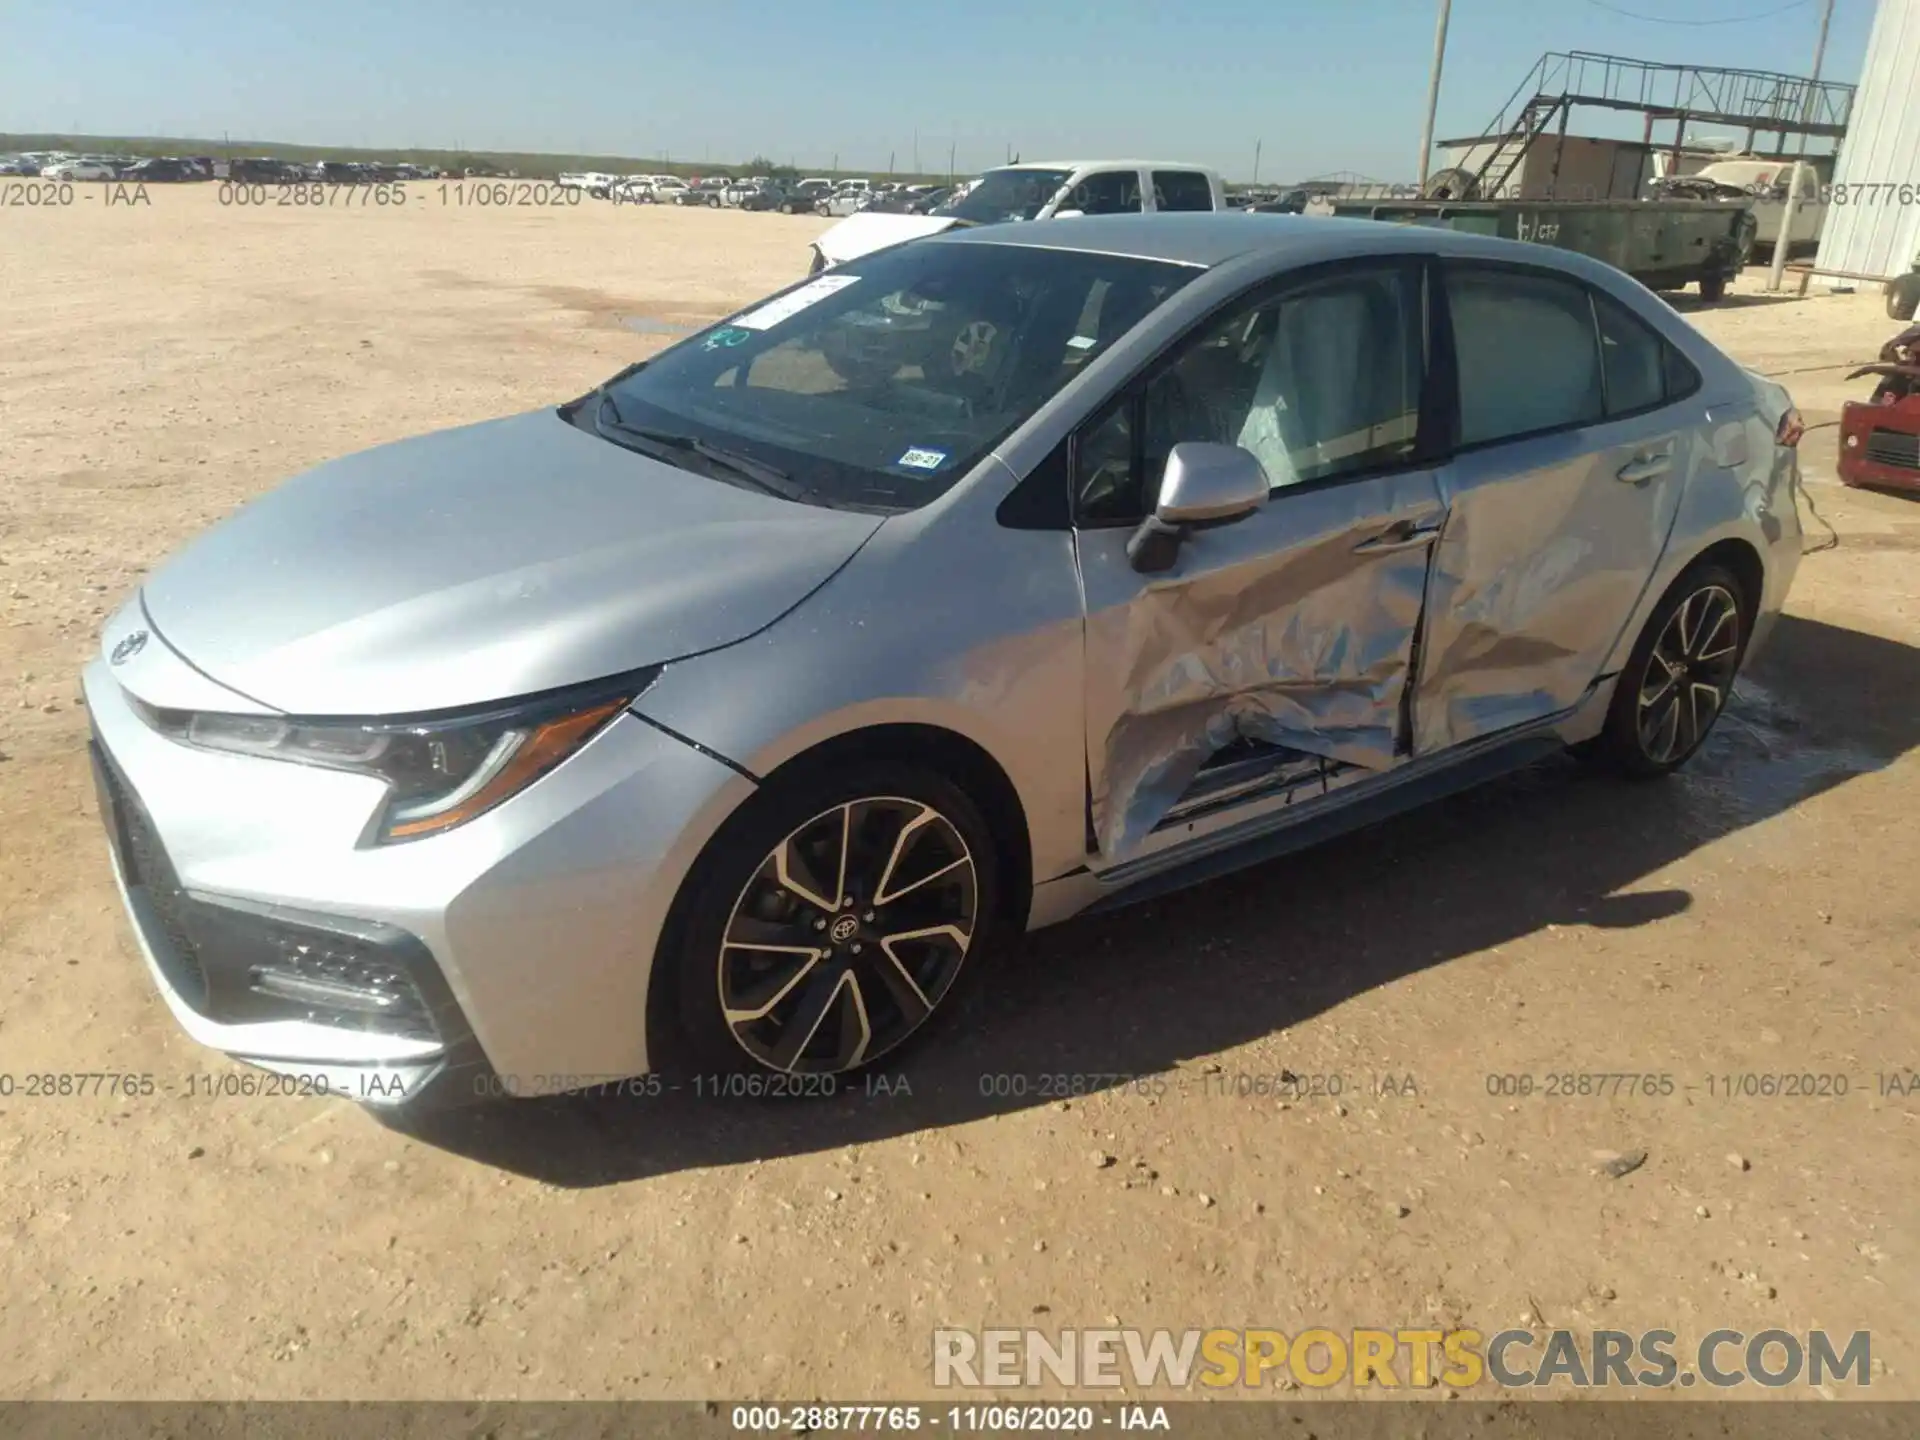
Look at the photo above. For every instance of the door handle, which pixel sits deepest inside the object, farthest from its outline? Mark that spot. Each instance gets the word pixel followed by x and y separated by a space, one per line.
pixel 1402 536
pixel 1638 472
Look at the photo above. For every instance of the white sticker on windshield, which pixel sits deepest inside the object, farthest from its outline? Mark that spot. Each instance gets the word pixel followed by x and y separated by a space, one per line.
pixel 794 301
pixel 1082 342
pixel 918 459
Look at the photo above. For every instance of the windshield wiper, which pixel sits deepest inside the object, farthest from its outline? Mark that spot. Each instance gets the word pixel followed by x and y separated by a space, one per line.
pixel 770 478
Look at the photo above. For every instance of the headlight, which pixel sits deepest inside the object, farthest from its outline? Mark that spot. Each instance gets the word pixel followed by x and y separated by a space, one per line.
pixel 440 771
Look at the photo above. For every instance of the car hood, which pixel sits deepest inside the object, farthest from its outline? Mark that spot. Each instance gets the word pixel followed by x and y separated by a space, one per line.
pixel 864 233
pixel 482 563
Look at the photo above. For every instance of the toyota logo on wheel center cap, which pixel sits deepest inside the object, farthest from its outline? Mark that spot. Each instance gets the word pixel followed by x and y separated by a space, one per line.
pixel 843 929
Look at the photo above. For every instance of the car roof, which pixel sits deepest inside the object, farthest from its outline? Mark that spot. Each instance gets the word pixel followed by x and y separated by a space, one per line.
pixel 1123 163
pixel 1211 238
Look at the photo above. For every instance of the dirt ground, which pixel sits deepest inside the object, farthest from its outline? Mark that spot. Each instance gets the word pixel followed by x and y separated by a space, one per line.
pixel 160 365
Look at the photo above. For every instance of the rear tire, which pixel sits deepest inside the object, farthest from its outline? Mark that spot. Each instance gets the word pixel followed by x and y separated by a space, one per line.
pixel 763 973
pixel 1678 678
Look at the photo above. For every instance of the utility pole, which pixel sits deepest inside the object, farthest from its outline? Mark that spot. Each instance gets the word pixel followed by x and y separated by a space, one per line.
pixel 1433 92
pixel 916 149
pixel 1783 240
pixel 1256 161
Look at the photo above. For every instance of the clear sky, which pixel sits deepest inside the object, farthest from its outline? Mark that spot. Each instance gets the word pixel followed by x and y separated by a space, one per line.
pixel 1324 85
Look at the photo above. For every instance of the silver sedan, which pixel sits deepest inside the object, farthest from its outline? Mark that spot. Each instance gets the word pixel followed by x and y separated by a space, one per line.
pixel 723 719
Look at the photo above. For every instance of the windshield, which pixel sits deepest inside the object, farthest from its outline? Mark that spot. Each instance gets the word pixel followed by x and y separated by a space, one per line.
pixel 1004 195
pixel 880 385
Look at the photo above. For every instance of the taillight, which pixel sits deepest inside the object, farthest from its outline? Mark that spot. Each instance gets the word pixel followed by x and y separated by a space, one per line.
pixel 1790 429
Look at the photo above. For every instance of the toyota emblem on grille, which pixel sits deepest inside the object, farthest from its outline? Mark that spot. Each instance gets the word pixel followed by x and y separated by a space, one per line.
pixel 129 647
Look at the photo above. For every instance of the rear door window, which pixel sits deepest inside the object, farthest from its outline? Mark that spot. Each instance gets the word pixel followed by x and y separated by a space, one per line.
pixel 1181 190
pixel 1526 351
pixel 1106 192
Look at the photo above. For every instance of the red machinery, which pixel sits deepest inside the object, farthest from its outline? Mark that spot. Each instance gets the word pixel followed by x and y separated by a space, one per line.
pixel 1880 438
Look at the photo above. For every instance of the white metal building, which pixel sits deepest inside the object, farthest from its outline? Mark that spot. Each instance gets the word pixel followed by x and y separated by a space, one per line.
pixel 1877 233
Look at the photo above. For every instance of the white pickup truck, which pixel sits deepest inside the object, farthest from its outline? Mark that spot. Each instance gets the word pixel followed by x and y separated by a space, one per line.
pixel 1035 191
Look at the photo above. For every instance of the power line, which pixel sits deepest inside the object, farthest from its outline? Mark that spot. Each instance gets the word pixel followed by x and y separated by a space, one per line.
pixel 1729 20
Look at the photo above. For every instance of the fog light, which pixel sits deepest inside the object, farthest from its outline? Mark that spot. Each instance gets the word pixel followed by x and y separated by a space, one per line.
pixel 1853 442
pixel 338 986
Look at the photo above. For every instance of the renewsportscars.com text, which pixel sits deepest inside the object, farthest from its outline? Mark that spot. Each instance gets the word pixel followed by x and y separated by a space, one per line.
pixel 1321 1358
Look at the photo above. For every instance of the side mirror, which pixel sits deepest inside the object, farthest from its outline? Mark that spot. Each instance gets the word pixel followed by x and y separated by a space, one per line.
pixel 1204 485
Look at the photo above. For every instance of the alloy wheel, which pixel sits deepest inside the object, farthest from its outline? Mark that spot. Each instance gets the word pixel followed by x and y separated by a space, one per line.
pixel 1689 675
pixel 848 936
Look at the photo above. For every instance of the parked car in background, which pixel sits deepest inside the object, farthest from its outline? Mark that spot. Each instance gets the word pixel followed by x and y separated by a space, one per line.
pixel 1035 192
pixel 265 170
pixel 781 750
pixel 593 182
pixel 161 170
pixel 931 200
pixel 845 201
pixel 19 165
pixel 84 168
pixel 775 196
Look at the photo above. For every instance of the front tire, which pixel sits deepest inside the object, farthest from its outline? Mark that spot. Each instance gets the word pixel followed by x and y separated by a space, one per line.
pixel 769 973
pixel 1679 676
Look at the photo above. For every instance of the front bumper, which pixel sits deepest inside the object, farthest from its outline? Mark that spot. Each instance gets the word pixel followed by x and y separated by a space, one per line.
pixel 1880 444
pixel 509 956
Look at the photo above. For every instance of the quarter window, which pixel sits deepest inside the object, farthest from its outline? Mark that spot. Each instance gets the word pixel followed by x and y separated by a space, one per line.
pixel 1526 351
pixel 1633 359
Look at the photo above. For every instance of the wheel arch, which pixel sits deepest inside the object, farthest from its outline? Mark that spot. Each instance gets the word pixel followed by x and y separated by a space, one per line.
pixel 1740 558
pixel 946 752
pixel 964 761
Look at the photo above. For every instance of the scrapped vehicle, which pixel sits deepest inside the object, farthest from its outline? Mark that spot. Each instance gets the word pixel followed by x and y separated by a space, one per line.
pixel 729 718
pixel 1880 438
pixel 1037 191
pixel 1762 184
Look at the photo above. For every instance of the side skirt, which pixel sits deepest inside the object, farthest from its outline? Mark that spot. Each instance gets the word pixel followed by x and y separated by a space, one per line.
pixel 1367 802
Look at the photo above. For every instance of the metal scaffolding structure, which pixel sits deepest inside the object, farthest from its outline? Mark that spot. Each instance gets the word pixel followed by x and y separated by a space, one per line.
pixel 1760 102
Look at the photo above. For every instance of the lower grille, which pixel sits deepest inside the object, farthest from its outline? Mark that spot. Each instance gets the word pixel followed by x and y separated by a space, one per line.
pixel 143 861
pixel 239 963
pixel 1892 447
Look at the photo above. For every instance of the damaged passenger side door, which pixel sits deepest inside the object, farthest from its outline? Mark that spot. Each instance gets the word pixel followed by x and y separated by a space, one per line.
pixel 1261 653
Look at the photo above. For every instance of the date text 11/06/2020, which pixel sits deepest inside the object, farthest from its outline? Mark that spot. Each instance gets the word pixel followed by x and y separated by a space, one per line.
pixel 1720 1085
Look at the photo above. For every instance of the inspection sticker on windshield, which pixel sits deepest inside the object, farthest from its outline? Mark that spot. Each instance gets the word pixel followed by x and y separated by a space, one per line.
pixel 919 459
pixel 794 301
